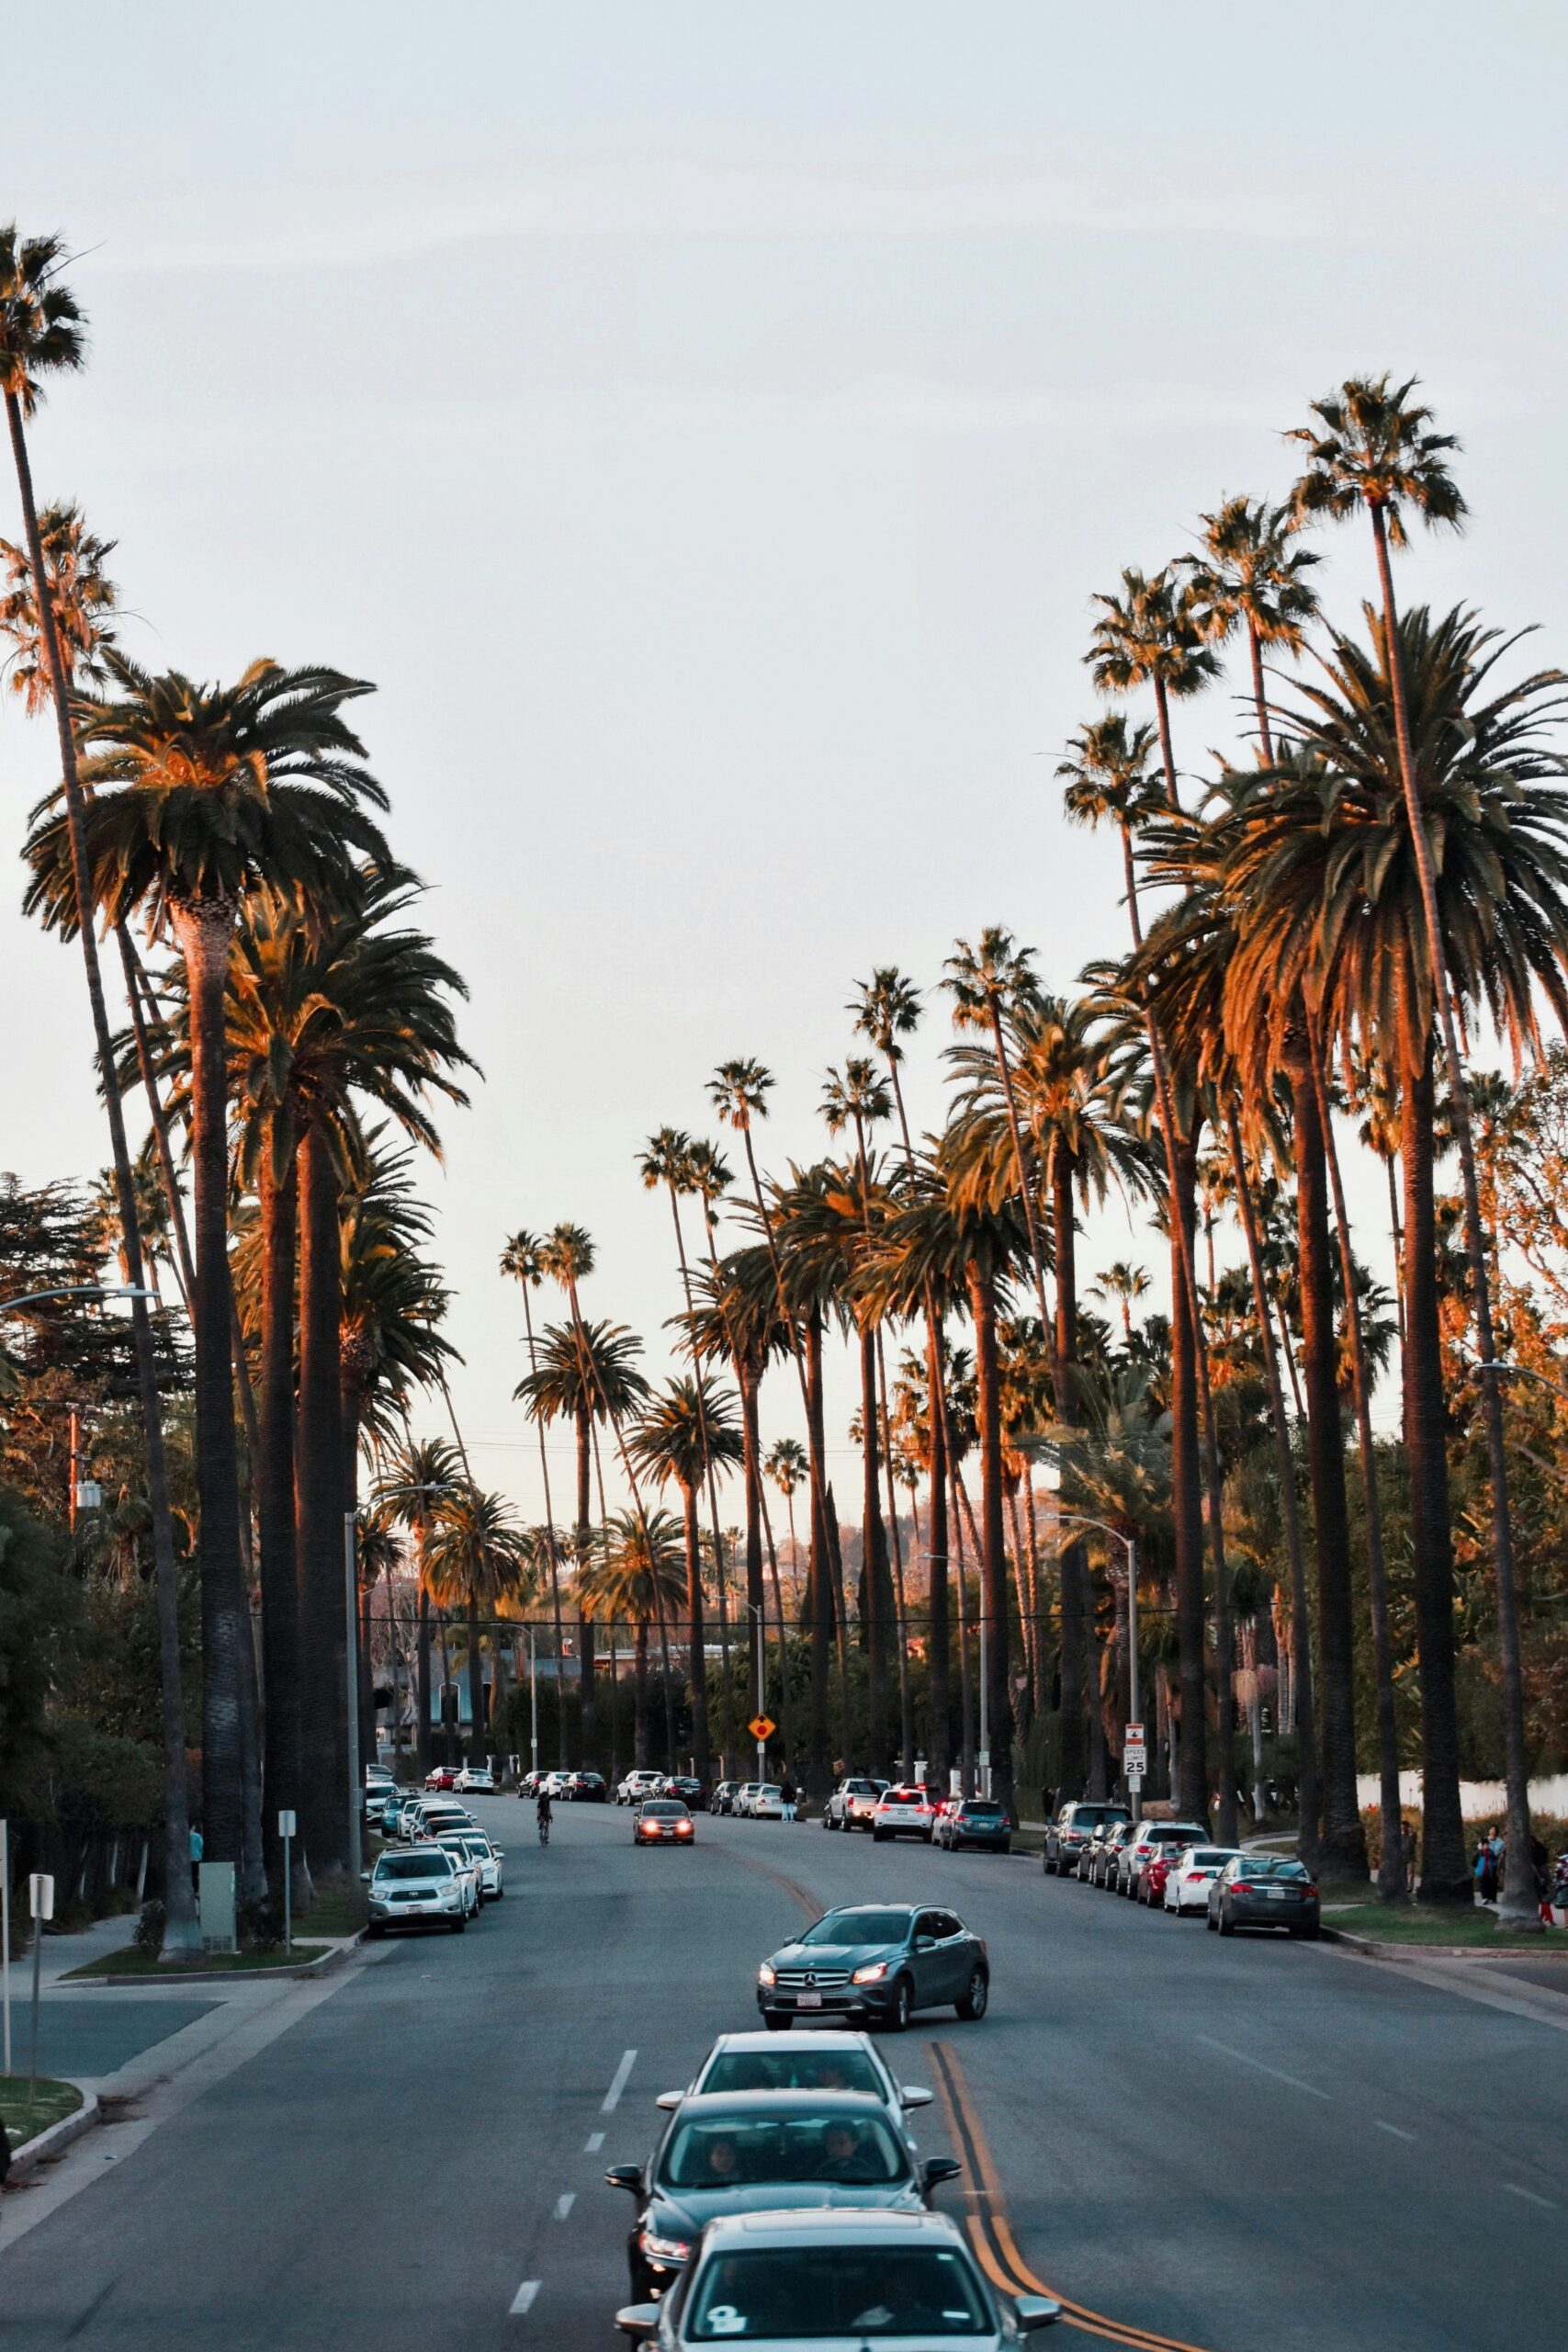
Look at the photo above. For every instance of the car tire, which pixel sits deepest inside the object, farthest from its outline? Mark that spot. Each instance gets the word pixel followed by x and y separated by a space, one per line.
pixel 881 1836
pixel 374 1932
pixel 897 2019
pixel 1310 1935
pixel 973 2003
pixel 1226 1927
pixel 458 1925
pixel 775 2022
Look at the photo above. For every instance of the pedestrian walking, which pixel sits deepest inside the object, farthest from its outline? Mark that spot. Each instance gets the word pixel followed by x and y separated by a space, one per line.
pixel 1408 1854
pixel 196 1852
pixel 1486 1872
pixel 788 1797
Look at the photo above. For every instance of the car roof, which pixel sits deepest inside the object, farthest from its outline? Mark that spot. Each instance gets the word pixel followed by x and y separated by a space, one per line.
pixel 715 2105
pixel 850 1910
pixel 403 1853
pixel 831 2038
pixel 852 2224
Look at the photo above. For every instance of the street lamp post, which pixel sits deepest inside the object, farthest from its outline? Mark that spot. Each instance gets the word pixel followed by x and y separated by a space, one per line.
pixel 77 1290
pixel 533 1703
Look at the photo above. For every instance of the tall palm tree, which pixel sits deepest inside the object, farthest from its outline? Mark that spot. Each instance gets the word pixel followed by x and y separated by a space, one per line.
pixel 418 1479
pixel 41 334
pixel 1152 635
pixel 1251 576
pixel 521 1259
pixel 637 1579
pixel 198 794
pixel 1322 856
pixel 683 1430
pixel 1373 450
pixel 1126 1284
pixel 476 1557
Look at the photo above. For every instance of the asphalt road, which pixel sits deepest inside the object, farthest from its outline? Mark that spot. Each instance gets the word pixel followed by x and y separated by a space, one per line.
pixel 1200 2144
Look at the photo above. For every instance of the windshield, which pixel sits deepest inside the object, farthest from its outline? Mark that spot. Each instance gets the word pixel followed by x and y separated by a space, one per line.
pixel 662 1809
pixel 860 1927
pixel 415 1866
pixel 742 2151
pixel 862 2291
pixel 800 2068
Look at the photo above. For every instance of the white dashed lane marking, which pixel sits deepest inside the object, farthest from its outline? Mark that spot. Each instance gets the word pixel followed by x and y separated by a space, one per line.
pixel 623 2074
pixel 1242 2059
pixel 523 2300
pixel 595 2142
pixel 1392 2129
pixel 564 2204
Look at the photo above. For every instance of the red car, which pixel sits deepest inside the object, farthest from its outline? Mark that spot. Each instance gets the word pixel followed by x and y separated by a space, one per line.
pixel 1151 1880
pixel 445 1776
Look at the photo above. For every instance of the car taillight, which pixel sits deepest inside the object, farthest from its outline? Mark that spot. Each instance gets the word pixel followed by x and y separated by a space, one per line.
pixel 1311 1891
pixel 1242 1886
pixel 1194 1878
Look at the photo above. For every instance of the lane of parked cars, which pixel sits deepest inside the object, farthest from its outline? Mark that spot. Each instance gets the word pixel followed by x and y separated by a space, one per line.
pixel 438 1868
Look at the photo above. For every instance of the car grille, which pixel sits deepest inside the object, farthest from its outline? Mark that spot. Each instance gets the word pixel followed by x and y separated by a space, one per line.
pixel 818 1978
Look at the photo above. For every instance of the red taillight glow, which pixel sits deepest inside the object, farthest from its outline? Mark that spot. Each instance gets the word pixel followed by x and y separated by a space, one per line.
pixel 1242 1886
pixel 1311 1893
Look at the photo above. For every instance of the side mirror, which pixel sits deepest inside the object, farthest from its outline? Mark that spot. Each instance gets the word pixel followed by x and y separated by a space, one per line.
pixel 365 1875
pixel 1036 2311
pixel 937 2169
pixel 640 2321
pixel 626 2177
pixel 913 2095
pixel 925 1943
pixel 668 2100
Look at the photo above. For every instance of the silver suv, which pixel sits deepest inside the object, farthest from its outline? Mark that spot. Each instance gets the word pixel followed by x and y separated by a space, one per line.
pixel 417 1886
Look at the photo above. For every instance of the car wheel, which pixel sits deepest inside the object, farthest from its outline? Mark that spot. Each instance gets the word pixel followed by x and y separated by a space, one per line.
pixel 775 2022
pixel 374 1932
pixel 881 1836
pixel 897 2018
pixel 458 1925
pixel 1227 1926
pixel 1310 1934
pixel 976 1999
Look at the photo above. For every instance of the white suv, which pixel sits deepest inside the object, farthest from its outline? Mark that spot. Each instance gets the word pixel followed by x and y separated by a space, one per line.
pixel 904 1812
pixel 637 1785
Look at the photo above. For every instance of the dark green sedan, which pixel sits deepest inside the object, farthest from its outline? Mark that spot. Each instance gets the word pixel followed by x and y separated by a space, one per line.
pixel 1264 1891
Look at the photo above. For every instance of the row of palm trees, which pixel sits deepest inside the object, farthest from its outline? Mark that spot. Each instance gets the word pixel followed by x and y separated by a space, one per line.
pixel 1322 928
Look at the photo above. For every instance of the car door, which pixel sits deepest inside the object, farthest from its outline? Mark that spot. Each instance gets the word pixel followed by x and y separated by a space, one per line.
pixel 953 1952
pixel 929 1962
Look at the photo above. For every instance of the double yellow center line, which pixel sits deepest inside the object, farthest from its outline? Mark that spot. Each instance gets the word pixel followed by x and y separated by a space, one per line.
pixel 993 2239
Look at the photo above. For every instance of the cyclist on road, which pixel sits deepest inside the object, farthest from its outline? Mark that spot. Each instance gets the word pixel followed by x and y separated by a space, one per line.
pixel 544 1814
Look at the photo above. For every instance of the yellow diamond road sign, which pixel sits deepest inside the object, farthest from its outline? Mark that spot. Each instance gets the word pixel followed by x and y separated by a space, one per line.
pixel 762 1727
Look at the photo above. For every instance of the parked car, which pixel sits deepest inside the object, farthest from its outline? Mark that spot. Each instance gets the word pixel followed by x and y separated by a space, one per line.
pixel 691 1793
pixel 824 2061
pixel 1134 1853
pixel 419 1888
pixel 1089 1859
pixel 853 1804
pixel 399 1820
pixel 743 1796
pixel 720 2152
pixel 555 1783
pixel 382 1807
pixel 440 1776
pixel 487 1860
pixel 879 1962
pixel 972 1823
pixel 768 1803
pixel 1188 1882
pixel 475 1780
pixel 1264 1891
pixel 663 1821
pixel 1067 1837
pixel 452 1842
pixel 835 2273
pixel 638 1784
pixel 723 1797
pixel 586 1788
pixel 904 1812
pixel 528 1785
pixel 436 1816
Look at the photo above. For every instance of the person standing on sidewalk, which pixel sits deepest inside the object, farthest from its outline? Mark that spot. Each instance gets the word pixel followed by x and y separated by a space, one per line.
pixel 788 1797
pixel 1408 1854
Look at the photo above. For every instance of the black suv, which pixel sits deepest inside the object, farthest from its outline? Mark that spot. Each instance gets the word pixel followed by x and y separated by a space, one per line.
pixel 1074 1828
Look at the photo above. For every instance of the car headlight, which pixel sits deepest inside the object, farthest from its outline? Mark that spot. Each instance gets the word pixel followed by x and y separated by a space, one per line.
pixel 767 1973
pixel 659 2249
pixel 872 1975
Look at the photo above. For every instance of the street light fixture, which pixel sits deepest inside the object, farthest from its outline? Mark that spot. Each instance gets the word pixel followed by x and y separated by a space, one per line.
pixel 77 1290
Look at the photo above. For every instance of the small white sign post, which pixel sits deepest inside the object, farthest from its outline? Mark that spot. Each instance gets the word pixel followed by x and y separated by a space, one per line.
pixel 4 1947
pixel 41 1902
pixel 1134 1760
pixel 287 1826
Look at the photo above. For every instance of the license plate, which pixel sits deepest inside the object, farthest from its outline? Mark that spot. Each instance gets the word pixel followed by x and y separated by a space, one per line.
pixel 809 2000
pixel 1276 1894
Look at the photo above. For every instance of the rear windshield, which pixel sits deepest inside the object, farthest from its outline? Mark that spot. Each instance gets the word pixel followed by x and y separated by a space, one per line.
pixel 747 2150
pixel 1265 1866
pixel 860 1788
pixel 415 1866
pixel 975 1811
pixel 1169 1833
pixel 1089 1817
pixel 860 1927
pixel 927 2293
pixel 1211 1859
pixel 903 1796
pixel 796 2067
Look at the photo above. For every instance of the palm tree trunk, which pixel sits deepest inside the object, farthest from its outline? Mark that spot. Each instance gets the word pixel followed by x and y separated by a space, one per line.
pixel 701 1762
pixel 1398 1250
pixel 1186 1509
pixel 640 1697
pixel 476 1749
pixel 757 1528
pixel 584 1533
pixel 1306 1728
pixel 181 1936
pixel 1445 1867
pixel 901 1620
pixel 280 1564
pixel 826 1600
pixel 324 1635
pixel 551 1548
pixel 205 930
pixel 1517 1909
pixel 184 1268
pixel 873 1561
pixel 993 1555
pixel 1073 1759
pixel 965 1701
pixel 422 1743
pixel 1224 1636
pixel 939 1739
pixel 1391 1863
pixel 1344 1850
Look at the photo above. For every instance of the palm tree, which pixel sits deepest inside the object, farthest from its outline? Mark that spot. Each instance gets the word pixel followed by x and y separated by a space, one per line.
pixel 521 1259
pixel 1251 576
pixel 1373 450
pixel 1320 855
pixel 83 597
pixel 637 1579
pixel 1151 635
pixel 886 1008
pixel 1106 774
pixel 1126 1284
pixel 417 1481
pixel 41 334
pixel 198 795
pixel 478 1557
pixel 685 1430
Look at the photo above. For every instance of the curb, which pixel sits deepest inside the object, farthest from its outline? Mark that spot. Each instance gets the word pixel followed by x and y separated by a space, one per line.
pixel 1525 1949
pixel 328 1960
pixel 58 2138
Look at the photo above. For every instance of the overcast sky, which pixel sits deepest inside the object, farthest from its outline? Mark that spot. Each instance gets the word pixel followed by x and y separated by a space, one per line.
pixel 707 425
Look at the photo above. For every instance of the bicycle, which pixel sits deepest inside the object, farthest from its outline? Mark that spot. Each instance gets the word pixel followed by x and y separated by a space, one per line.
pixel 544 1829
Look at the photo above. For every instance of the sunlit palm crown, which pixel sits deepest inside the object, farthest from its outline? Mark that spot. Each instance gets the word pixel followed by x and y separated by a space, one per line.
pixel 478 1552
pixel 887 1007
pixel 1071 1083
pixel 638 1573
pixel 594 1374
pixel 82 596
pixel 738 1093
pixel 1150 634
pixel 1251 574
pixel 1107 772
pixel 1373 446
pixel 687 1427
pixel 41 327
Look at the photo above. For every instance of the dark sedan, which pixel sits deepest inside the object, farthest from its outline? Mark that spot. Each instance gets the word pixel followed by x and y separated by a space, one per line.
pixel 1099 1865
pixel 1067 1837
pixel 587 1787
pixel 746 2153
pixel 876 1962
pixel 973 1823
pixel 663 1821
pixel 691 1792
pixel 1264 1891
